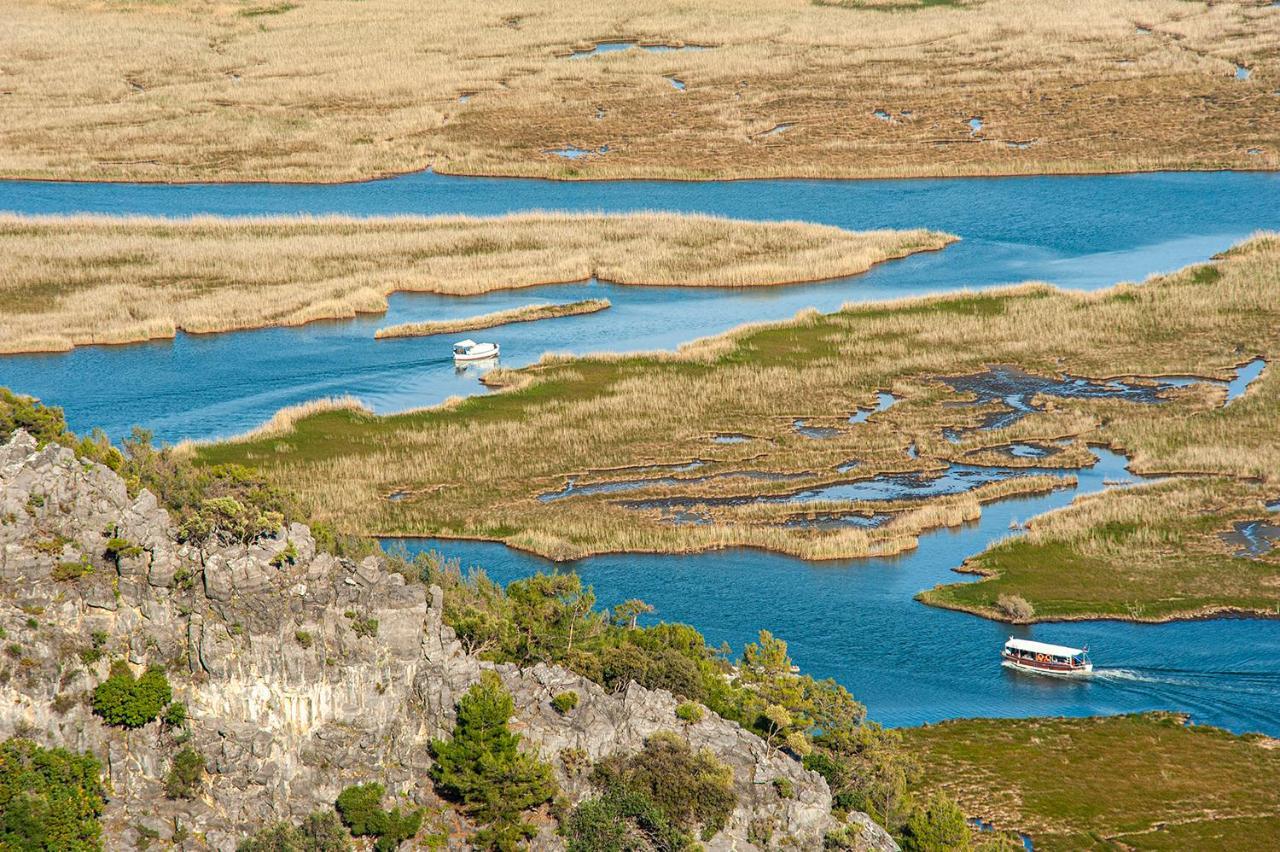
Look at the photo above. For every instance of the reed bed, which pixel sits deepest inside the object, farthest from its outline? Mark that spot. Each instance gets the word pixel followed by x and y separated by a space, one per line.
pixel 76 280
pixel 1152 553
pixel 477 468
pixel 525 313
pixel 311 90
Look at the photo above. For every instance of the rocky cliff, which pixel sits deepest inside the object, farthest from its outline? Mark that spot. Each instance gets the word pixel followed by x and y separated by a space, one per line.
pixel 292 692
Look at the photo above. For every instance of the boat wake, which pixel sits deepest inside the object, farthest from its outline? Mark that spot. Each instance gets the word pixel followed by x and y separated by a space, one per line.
pixel 1204 693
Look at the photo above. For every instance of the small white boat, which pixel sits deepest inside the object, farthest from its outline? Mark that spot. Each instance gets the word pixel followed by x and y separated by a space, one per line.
pixel 469 350
pixel 1042 658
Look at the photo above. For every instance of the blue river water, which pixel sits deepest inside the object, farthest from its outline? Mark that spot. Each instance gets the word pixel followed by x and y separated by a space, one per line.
pixel 856 621
pixel 1078 232
pixel 853 620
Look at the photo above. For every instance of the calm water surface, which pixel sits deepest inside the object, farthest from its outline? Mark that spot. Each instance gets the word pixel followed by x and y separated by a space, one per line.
pixel 1079 232
pixel 854 620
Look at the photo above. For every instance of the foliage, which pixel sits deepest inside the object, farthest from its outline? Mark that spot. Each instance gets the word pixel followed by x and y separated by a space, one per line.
pixel 175 715
pixel 784 788
pixel 689 712
pixel 361 810
pixel 185 773
pixel 939 827
pixel 131 702
pixel 1015 606
pixel 50 799
pixel 565 701
pixel 365 627
pixel 482 768
pixel 613 821
pixel 322 832
pixel 211 503
pixel 694 790
pixel 65 571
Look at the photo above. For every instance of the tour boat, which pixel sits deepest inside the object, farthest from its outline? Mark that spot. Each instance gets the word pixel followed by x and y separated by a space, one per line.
pixel 1025 655
pixel 469 350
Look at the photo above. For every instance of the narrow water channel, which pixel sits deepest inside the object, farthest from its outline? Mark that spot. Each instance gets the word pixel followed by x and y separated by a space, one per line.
pixel 852 620
pixel 1078 232
pixel 856 620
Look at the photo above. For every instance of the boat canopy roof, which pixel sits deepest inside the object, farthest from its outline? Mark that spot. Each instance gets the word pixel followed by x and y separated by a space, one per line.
pixel 1043 648
pixel 464 344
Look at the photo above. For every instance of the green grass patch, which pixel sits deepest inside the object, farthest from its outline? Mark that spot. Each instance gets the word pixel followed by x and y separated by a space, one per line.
pixel 1138 782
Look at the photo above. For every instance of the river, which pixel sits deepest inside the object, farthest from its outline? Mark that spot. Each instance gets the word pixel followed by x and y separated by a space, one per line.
pixel 852 620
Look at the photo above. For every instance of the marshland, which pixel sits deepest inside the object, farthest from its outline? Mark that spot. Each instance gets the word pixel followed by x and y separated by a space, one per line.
pixel 525 313
pixel 894 420
pixel 341 91
pixel 601 420
pixel 71 281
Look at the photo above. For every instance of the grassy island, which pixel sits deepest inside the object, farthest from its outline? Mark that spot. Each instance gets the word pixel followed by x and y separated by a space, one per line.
pixel 600 454
pixel 1124 782
pixel 330 91
pixel 69 281
pixel 527 313
pixel 1157 553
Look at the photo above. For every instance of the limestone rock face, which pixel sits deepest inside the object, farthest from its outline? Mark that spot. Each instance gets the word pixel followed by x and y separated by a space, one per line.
pixel 287 701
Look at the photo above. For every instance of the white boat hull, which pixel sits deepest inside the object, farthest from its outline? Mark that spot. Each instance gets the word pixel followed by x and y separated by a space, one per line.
pixel 480 353
pixel 1082 671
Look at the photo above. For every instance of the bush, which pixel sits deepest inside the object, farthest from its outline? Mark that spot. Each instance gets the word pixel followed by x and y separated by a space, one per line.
pixel 784 788
pixel 483 769
pixel 365 627
pixel 1016 607
pixel 175 715
pixel 185 773
pixel 692 789
pixel 303 638
pixel 565 701
pixel 128 702
pixel 690 712
pixel 322 832
pixel 361 810
pixel 615 822
pixel 939 827
pixel 120 548
pixel 50 799
pixel 67 571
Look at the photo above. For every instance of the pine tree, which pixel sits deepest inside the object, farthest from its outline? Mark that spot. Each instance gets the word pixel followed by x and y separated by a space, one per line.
pixel 483 769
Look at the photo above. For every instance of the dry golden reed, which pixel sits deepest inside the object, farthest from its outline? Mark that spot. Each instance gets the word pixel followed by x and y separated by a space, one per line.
pixel 525 313
pixel 67 281
pixel 326 90
pixel 479 467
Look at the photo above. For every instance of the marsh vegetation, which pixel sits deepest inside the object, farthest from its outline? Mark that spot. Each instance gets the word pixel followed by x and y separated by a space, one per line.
pixel 594 420
pixel 1132 782
pixel 339 91
pixel 77 280
pixel 527 313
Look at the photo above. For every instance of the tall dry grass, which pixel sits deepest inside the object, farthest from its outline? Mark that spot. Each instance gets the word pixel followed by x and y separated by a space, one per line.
pixel 75 280
pixel 525 313
pixel 487 459
pixel 188 89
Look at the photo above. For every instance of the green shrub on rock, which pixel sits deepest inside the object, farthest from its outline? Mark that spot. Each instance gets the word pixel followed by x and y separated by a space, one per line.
pixel 361 810
pixel 322 832
pixel 694 790
pixel 50 799
pixel 185 773
pixel 565 701
pixel 483 769
pixel 131 702
pixel 619 821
